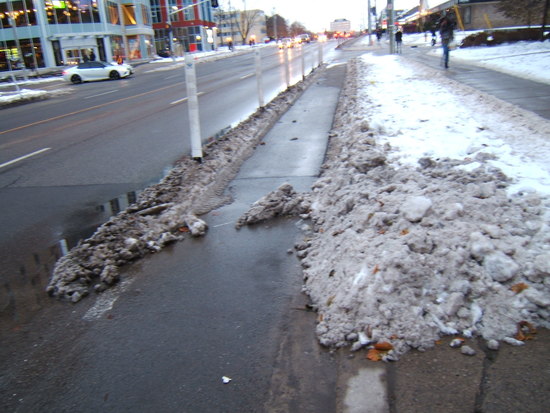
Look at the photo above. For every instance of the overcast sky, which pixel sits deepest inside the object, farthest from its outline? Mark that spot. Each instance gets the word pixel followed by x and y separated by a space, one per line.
pixel 316 15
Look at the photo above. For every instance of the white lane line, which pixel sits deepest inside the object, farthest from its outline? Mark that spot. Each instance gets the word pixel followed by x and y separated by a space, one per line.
pixel 173 76
pixel 247 76
pixel 101 94
pixel 175 102
pixel 23 157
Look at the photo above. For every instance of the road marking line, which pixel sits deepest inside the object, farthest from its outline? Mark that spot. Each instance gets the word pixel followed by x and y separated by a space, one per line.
pixel 24 157
pixel 101 94
pixel 247 76
pixel 175 102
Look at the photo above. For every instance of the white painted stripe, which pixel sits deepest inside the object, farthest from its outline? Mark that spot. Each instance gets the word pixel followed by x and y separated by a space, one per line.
pixel 366 392
pixel 106 300
pixel 175 102
pixel 101 94
pixel 23 157
pixel 247 76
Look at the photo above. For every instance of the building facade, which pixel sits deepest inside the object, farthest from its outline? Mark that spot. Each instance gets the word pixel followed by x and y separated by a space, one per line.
pixel 183 26
pixel 48 34
pixel 241 27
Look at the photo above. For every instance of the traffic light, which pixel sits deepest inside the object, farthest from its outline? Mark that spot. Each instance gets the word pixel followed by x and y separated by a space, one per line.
pixel 214 3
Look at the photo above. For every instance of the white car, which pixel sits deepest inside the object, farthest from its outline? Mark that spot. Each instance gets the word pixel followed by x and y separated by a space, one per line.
pixel 90 71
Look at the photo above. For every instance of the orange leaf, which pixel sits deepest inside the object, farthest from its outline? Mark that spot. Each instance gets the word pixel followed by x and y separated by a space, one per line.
pixel 183 229
pixel 383 346
pixel 375 269
pixel 404 232
pixel 519 287
pixel 374 355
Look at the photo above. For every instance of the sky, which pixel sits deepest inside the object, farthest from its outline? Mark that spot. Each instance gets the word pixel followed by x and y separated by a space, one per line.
pixel 316 15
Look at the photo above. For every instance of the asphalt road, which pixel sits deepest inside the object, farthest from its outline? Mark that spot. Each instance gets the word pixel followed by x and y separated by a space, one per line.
pixel 90 150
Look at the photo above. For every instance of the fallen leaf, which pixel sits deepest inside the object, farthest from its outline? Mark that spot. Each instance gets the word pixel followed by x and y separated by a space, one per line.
pixel 374 355
pixel 330 300
pixel 320 318
pixel 376 269
pixel 519 287
pixel 383 346
pixel 382 231
pixel 183 229
pixel 331 273
pixel 404 232
pixel 526 331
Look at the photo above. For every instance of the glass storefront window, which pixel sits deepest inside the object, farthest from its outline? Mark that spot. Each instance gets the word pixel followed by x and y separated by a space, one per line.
pixel 21 12
pixel 129 14
pixel 146 20
pixel 31 54
pixel 114 17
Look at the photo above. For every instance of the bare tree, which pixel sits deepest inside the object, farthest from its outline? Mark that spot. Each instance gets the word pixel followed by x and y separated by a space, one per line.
pixel 276 27
pixel 297 28
pixel 245 20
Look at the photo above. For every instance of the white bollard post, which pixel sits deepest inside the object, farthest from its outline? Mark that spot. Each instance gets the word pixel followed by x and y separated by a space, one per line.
pixel 193 107
pixel 259 77
pixel 287 67
pixel 303 59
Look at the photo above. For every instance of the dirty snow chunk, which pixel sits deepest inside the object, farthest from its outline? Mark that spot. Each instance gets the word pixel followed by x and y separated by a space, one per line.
pixel 226 379
pixel 537 297
pixel 468 351
pixel 542 264
pixel 500 267
pixel 415 208
pixel 513 341
pixel 456 342
pixel 480 245
pixel 283 201
pixel 196 226
pixel 493 345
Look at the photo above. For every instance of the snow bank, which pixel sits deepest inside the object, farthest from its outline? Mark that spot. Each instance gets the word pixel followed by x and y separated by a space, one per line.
pixel 415 233
pixel 165 212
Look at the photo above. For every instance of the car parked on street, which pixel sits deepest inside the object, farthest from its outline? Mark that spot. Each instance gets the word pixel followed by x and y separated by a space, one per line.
pixel 90 71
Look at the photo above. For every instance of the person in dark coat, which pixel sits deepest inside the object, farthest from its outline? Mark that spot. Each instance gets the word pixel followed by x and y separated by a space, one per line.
pixel 446 33
pixel 399 40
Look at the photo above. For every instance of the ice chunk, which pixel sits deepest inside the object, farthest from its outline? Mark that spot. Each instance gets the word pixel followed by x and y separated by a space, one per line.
pixel 415 208
pixel 500 267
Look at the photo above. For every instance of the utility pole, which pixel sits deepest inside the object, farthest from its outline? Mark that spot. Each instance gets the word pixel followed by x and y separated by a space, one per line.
pixel 369 25
pixel 389 11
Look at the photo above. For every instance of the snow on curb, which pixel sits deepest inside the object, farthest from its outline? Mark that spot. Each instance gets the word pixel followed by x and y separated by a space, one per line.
pixel 167 211
pixel 402 254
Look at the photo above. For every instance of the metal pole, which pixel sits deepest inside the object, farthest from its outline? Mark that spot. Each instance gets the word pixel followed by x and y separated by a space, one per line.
pixel 170 34
pixel 369 25
pixel 391 27
pixel 320 53
pixel 259 77
pixel 193 107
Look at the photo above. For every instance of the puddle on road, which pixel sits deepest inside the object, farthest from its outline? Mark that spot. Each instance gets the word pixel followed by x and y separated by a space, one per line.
pixel 23 290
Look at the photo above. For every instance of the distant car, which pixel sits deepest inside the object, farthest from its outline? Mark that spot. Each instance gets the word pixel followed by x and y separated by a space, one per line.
pixel 90 71
pixel 286 43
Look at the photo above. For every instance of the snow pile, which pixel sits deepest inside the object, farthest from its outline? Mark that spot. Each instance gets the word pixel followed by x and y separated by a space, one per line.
pixel 165 212
pixel 409 242
pixel 415 230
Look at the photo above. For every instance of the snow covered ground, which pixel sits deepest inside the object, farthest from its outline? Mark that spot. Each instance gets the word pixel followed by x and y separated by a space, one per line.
pixel 431 215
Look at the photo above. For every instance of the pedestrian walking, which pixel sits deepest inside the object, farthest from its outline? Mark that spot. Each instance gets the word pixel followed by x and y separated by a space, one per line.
pixel 446 33
pixel 378 34
pixel 399 40
pixel 92 55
